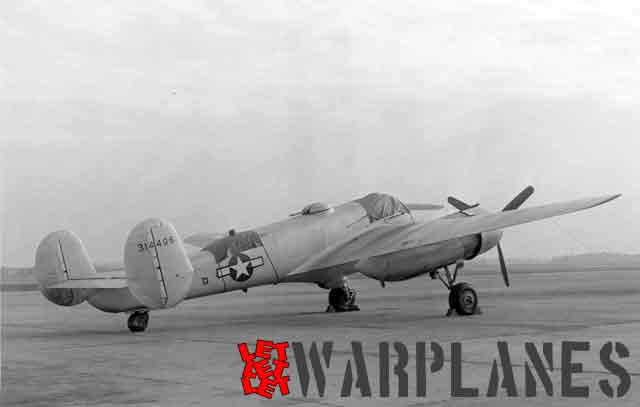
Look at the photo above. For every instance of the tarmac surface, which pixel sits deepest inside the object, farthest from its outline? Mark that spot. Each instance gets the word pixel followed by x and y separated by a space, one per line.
pixel 79 356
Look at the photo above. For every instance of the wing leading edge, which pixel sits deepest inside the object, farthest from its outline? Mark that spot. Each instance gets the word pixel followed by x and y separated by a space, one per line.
pixel 384 239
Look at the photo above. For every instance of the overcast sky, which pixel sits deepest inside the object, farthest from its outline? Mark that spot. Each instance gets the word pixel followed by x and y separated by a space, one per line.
pixel 218 114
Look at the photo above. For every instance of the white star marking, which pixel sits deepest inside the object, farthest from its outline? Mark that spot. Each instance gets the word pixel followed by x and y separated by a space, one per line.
pixel 241 268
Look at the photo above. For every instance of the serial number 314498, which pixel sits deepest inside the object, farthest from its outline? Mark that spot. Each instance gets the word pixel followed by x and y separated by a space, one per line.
pixel 165 241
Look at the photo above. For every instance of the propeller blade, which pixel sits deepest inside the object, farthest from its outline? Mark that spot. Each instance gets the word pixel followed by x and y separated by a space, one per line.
pixel 458 204
pixel 503 266
pixel 423 207
pixel 519 199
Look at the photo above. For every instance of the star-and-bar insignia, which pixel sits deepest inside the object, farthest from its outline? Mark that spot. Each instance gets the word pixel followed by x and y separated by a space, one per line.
pixel 240 267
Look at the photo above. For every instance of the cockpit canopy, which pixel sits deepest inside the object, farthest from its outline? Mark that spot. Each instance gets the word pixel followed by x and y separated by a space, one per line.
pixel 379 206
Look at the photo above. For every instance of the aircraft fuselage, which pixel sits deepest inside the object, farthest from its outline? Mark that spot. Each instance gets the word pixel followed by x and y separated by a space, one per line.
pixel 269 254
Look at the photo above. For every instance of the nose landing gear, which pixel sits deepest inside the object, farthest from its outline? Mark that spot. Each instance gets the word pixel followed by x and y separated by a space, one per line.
pixel 462 297
pixel 138 321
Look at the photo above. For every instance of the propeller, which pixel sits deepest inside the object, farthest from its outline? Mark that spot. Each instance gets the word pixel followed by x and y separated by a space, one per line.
pixel 503 266
pixel 459 205
pixel 514 204
pixel 519 199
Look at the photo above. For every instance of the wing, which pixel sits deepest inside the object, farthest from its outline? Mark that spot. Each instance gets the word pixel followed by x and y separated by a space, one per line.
pixel 202 240
pixel 444 229
pixel 386 238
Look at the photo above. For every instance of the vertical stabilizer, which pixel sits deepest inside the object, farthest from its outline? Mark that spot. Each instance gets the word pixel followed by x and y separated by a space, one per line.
pixel 61 256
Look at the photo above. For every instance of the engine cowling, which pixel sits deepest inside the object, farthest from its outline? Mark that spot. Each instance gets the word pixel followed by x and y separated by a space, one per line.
pixel 159 273
pixel 406 264
pixel 488 240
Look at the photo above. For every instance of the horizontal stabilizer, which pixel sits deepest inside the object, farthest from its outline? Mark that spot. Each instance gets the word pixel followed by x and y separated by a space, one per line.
pixel 65 272
pixel 92 283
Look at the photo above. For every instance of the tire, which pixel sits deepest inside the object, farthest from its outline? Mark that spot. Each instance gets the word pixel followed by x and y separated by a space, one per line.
pixel 338 298
pixel 351 297
pixel 138 321
pixel 463 299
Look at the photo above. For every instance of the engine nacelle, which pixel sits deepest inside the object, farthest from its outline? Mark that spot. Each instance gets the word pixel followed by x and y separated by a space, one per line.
pixel 488 240
pixel 159 272
pixel 61 256
pixel 406 264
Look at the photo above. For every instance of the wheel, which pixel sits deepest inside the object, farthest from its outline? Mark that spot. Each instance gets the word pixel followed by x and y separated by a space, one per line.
pixel 342 299
pixel 338 298
pixel 138 321
pixel 463 299
pixel 351 297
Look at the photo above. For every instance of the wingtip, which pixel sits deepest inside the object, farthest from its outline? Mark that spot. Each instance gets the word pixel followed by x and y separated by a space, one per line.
pixel 607 198
pixel 612 197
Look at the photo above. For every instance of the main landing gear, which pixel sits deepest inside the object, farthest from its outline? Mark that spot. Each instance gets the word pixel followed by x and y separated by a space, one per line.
pixel 138 321
pixel 462 297
pixel 342 299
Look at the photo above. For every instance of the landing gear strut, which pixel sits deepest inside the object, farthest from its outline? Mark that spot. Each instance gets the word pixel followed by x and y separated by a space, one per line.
pixel 342 299
pixel 138 321
pixel 462 297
